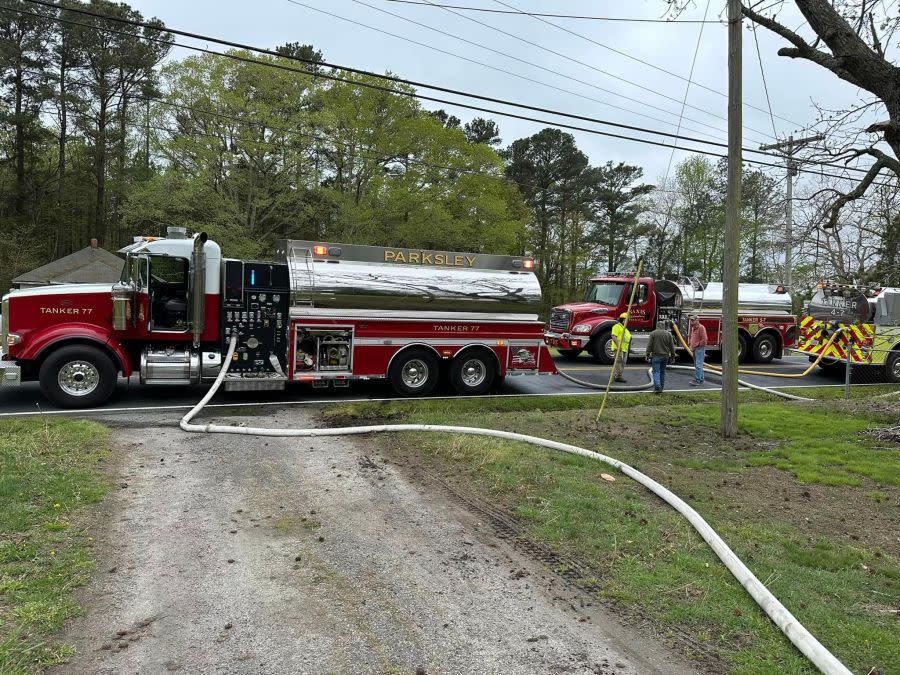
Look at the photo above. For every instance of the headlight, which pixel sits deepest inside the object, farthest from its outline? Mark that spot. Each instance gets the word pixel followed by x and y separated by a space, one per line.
pixel 4 322
pixel 582 328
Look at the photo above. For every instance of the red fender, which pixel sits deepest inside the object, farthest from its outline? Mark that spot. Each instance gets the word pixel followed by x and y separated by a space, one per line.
pixel 39 342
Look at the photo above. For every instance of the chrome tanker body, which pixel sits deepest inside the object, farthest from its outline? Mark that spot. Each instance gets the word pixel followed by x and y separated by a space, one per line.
pixel 336 276
pixel 762 298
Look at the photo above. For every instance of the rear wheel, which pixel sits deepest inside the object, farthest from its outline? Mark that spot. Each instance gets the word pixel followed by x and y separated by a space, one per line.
pixel 78 376
pixel 602 349
pixel 569 354
pixel 414 372
pixel 892 368
pixel 764 348
pixel 742 348
pixel 473 372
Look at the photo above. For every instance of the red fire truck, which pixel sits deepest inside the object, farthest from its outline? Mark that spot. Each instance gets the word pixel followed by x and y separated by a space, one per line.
pixel 324 313
pixel 765 322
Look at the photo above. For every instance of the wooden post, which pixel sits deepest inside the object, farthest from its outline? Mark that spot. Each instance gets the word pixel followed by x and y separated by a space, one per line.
pixel 728 418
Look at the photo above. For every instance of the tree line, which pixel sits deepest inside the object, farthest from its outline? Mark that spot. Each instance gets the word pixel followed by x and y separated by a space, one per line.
pixel 102 135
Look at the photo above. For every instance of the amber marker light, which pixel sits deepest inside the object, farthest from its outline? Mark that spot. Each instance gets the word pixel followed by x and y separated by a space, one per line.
pixel 528 264
pixel 320 250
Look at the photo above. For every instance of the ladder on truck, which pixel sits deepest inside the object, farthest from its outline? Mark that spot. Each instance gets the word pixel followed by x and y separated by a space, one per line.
pixel 697 286
pixel 303 277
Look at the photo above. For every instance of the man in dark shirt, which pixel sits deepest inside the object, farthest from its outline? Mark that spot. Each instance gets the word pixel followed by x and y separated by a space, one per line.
pixel 660 350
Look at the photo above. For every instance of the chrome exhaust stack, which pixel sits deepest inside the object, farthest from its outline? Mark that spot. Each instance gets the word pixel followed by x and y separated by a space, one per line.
pixel 198 287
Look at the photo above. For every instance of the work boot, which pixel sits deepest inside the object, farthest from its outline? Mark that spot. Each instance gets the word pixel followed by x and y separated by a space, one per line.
pixel 621 379
pixel 657 391
pixel 695 383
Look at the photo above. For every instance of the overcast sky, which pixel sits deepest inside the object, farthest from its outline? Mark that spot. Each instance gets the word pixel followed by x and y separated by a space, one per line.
pixel 793 85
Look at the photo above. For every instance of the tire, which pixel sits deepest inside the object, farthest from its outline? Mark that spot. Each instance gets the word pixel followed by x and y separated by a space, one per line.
pixel 892 369
pixel 414 372
pixel 831 366
pixel 742 349
pixel 473 372
pixel 78 376
pixel 569 354
pixel 765 347
pixel 602 349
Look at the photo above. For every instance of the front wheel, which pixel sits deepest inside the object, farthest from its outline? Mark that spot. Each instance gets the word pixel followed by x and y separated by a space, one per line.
pixel 742 349
pixel 892 369
pixel 78 376
pixel 602 349
pixel 764 348
pixel 414 372
pixel 473 372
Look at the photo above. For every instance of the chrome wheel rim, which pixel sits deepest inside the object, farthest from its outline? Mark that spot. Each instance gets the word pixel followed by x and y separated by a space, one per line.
pixel 473 372
pixel 78 378
pixel 764 348
pixel 414 373
pixel 610 349
pixel 895 370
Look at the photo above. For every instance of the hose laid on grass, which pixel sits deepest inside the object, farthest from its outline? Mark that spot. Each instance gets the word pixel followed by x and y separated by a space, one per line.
pixel 778 613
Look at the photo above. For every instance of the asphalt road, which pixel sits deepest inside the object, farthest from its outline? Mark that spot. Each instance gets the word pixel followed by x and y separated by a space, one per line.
pixel 131 395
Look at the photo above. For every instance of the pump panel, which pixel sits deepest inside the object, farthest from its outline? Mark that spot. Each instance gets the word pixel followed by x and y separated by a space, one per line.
pixel 255 307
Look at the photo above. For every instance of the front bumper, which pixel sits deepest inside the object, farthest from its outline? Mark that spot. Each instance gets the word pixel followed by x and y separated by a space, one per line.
pixel 566 340
pixel 10 374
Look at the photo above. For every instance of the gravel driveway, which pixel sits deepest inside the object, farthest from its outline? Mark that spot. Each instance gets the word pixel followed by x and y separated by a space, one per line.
pixel 232 554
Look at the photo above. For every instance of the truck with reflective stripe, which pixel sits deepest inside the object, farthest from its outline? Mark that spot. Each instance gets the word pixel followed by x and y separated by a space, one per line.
pixel 868 323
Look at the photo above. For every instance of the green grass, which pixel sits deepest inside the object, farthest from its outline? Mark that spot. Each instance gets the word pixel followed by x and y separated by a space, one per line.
pixel 647 556
pixel 49 473
pixel 816 445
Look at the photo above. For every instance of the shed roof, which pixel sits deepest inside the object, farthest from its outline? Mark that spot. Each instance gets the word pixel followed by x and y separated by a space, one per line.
pixel 88 265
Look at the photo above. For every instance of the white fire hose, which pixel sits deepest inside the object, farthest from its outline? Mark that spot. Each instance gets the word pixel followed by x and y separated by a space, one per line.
pixel 778 613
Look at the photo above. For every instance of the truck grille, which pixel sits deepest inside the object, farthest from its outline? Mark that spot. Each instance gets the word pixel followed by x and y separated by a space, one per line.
pixel 559 319
pixel 4 324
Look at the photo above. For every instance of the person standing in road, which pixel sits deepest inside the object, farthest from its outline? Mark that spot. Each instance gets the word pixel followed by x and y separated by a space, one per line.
pixel 697 343
pixel 621 336
pixel 660 350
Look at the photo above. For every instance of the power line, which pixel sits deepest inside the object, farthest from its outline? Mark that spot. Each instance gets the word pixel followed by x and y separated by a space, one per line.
pixel 585 64
pixel 358 71
pixel 507 72
pixel 535 65
pixel 554 16
pixel 400 92
pixel 762 72
pixel 687 87
pixel 633 58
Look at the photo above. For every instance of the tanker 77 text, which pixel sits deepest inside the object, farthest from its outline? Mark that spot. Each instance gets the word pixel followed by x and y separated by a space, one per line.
pixel 456 329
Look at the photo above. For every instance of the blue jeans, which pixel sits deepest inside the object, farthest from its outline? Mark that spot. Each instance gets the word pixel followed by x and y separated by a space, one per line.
pixel 699 355
pixel 658 364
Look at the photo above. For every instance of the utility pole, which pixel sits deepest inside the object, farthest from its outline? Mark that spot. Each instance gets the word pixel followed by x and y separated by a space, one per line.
pixel 790 146
pixel 728 418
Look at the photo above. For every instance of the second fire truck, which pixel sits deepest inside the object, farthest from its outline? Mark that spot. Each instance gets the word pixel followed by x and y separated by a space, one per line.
pixel 765 323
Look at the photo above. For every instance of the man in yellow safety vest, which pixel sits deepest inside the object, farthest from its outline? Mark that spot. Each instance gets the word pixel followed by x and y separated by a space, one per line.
pixel 621 335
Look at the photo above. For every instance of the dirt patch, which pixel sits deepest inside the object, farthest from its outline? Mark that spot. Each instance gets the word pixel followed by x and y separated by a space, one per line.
pixel 245 555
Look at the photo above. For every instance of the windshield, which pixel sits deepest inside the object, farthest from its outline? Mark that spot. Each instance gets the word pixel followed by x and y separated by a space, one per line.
pixel 605 293
pixel 125 277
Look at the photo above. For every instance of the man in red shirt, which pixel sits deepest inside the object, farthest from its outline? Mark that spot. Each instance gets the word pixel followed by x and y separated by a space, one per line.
pixel 697 343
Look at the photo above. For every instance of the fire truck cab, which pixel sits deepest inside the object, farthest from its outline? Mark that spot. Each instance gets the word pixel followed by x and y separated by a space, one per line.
pixel 324 313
